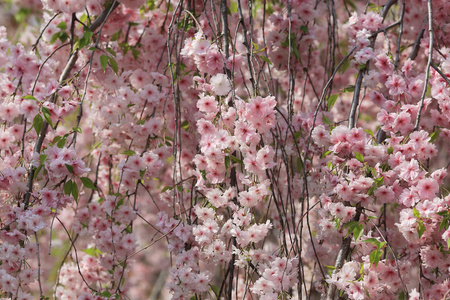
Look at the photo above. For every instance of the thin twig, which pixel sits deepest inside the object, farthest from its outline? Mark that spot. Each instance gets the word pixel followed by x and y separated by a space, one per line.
pixel 430 57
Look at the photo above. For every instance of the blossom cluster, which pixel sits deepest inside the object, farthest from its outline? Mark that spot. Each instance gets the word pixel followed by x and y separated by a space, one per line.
pixel 254 149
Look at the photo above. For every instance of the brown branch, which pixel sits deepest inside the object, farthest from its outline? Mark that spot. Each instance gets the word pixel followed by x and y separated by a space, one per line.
pixel 343 253
pixel 427 72
pixel 64 75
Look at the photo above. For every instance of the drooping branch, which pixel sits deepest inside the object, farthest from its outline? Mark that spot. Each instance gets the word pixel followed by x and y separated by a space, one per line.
pixel 64 75
pixel 430 58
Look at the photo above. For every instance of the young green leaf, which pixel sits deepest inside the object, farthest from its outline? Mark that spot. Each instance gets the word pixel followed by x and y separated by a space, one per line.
pixel 75 191
pixel 104 62
pixel 113 64
pixel 87 182
pixel 264 58
pixel 359 156
pixel 68 187
pixel 69 168
pixel 326 120
pixel 38 122
pixel 358 231
pixel 331 101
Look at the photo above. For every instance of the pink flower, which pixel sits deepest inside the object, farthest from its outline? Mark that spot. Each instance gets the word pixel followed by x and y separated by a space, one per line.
pixel 427 188
pixel 384 64
pixel 396 85
pixel 8 111
pixel 220 84
pixel 214 60
pixel 265 158
pixel 247 199
pixel 363 55
pixel 384 194
pixel 216 198
pixel 207 104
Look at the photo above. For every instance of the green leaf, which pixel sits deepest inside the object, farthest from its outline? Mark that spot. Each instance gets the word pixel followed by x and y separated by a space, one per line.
pixel 83 18
pixel 416 213
pixel 111 51
pixel 444 224
pixel 42 158
pixel 96 145
pixel 63 37
pixel 233 7
pixel 434 135
pixel 373 172
pixel 113 64
pixel 106 294
pixel 87 182
pixel 374 242
pixel 297 135
pixel 325 154
pixel 304 29
pixel 358 231
pixel 359 156
pixel 326 120
pixel 38 122
pixel 421 228
pixel 237 160
pixel 135 53
pixel 129 152
pixel 166 188
pixel 69 168
pixel 62 142
pixel 38 170
pixel 350 224
pixel 29 97
pixel 345 66
pixel 116 35
pixel 68 187
pixel 104 62
pixel 368 131
pixel 62 25
pixel 267 60
pixel 47 116
pixel 22 14
pixel 331 101
pixel 390 150
pixel 350 88
pixel 185 125
pixel 296 53
pixel 338 223
pixel 375 256
pixel 75 192
pixel 351 227
pixel 90 251
pixel 227 162
pixel 215 289
pixel 55 37
pixel 379 181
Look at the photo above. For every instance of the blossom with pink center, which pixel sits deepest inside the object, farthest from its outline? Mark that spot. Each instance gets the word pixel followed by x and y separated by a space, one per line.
pixel 396 85
pixel 427 188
